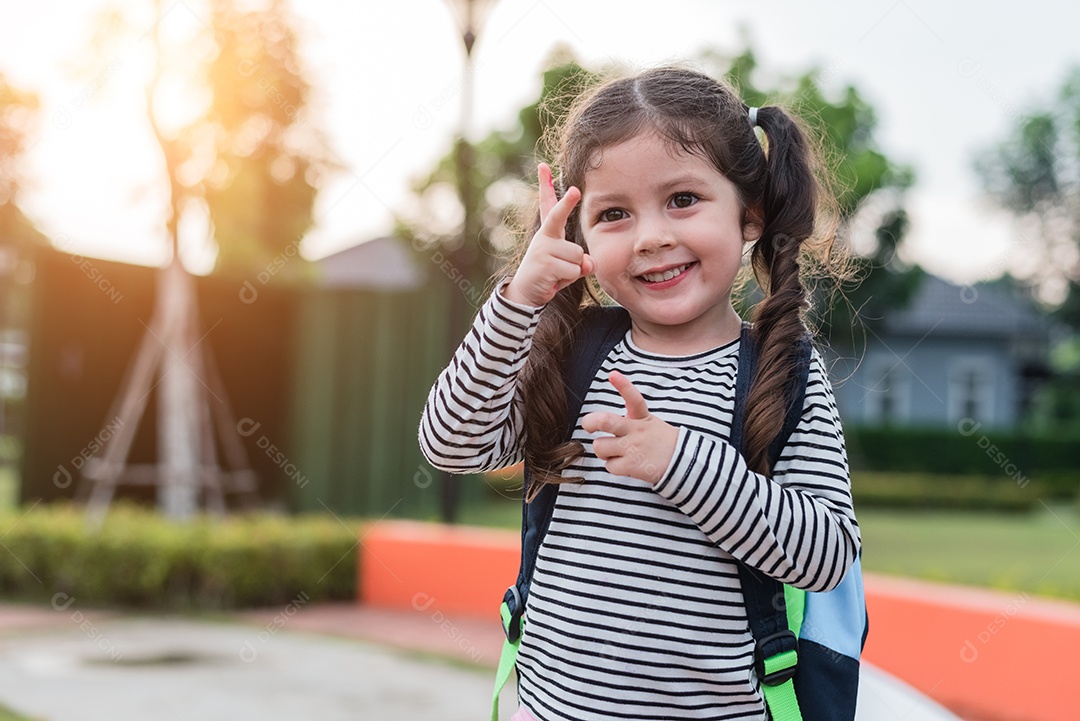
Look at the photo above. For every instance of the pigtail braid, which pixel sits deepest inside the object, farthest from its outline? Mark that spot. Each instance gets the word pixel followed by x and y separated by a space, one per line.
pixel 789 210
pixel 547 451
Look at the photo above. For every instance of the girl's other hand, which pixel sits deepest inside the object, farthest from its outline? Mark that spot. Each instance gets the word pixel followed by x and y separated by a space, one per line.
pixel 640 445
pixel 551 262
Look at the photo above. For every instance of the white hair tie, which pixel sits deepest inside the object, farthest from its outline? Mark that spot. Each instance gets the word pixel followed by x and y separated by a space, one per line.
pixel 753 117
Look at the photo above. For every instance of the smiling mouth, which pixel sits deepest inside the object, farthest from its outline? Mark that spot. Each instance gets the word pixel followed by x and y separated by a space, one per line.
pixel 667 274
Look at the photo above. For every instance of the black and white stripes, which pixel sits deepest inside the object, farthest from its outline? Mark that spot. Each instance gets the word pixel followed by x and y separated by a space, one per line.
pixel 635 609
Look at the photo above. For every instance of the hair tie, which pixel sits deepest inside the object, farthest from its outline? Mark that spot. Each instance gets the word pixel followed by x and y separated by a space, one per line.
pixel 753 117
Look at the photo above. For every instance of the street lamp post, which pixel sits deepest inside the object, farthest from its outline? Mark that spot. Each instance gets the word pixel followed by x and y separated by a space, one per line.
pixel 467 257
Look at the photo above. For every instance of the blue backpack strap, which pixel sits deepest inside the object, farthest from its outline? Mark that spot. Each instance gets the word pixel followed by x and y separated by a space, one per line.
pixel 600 330
pixel 766 607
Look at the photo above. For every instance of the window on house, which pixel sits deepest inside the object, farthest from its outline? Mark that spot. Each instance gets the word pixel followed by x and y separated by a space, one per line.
pixel 887 399
pixel 971 391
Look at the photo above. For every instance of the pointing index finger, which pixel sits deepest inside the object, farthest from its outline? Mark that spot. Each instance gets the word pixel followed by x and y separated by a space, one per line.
pixel 554 225
pixel 547 190
pixel 635 402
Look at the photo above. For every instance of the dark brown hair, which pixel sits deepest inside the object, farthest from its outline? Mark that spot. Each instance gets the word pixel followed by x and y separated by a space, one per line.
pixel 779 180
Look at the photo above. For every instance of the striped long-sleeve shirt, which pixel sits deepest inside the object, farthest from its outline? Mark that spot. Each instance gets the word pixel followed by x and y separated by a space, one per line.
pixel 635 609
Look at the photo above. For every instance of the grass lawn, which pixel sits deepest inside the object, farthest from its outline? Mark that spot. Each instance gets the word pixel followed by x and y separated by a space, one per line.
pixel 1037 552
pixel 9 491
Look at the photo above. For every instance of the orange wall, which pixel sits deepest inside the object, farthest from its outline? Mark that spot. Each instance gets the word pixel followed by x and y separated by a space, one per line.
pixel 406 564
pixel 987 655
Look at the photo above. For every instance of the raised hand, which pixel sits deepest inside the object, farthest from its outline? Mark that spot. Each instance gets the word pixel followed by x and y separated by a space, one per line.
pixel 641 445
pixel 551 261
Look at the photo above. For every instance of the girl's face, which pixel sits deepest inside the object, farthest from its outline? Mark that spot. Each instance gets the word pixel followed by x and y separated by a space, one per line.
pixel 667 231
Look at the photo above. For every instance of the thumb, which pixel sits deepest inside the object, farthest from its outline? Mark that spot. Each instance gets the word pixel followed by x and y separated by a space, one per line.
pixel 588 265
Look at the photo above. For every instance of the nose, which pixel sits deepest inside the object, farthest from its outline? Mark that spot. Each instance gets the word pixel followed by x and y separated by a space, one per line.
pixel 653 234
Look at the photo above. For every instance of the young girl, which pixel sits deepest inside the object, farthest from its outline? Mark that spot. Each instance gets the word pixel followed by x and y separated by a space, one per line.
pixel 635 609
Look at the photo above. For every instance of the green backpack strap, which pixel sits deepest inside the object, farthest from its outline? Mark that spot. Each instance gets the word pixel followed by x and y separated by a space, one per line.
pixel 774 610
pixel 780 697
pixel 507 660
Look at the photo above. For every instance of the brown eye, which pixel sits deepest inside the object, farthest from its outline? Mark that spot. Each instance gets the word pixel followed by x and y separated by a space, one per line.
pixel 683 200
pixel 611 215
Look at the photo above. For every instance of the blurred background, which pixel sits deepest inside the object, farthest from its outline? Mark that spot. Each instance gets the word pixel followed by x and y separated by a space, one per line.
pixel 239 240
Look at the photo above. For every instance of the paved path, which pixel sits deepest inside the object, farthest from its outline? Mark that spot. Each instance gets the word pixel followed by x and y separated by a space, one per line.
pixel 327 662
pixel 140 669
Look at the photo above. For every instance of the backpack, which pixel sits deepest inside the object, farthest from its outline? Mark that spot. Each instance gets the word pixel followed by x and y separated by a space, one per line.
pixel 807 644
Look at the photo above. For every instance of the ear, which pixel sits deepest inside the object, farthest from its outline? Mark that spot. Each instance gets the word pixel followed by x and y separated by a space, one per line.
pixel 753 224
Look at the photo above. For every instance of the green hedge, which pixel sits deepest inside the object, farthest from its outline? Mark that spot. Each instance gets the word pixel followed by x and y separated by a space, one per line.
pixel 139 559
pixel 887 489
pixel 1018 460
pixel 923 490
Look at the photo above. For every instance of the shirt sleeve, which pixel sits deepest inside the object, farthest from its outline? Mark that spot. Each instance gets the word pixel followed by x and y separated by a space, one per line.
pixel 799 526
pixel 471 422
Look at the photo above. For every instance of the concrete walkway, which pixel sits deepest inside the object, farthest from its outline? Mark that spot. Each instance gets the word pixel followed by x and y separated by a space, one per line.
pixel 72 666
pixel 326 662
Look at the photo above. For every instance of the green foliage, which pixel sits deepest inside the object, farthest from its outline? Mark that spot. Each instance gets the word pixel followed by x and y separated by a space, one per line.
pixel 139 559
pixel 1055 407
pixel 1045 462
pixel 7 714
pixel 1034 174
pixel 250 153
pixel 255 158
pixel 844 123
pixel 923 491
pixel 855 171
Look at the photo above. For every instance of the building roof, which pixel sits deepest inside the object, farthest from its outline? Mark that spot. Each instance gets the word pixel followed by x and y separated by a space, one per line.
pixel 939 307
pixel 378 264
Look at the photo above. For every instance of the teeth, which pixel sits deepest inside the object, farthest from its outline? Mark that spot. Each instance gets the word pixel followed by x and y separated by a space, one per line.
pixel 666 275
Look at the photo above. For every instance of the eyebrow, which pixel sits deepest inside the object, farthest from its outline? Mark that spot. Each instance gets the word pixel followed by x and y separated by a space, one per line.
pixel 680 181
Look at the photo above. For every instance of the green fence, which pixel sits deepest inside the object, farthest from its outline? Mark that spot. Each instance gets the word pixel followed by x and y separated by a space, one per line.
pixel 330 384
pixel 364 364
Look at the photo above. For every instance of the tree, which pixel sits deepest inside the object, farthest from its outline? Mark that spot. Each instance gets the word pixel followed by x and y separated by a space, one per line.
pixel 249 154
pixel 18 237
pixel 1034 174
pixel 257 182
pixel 18 120
pixel 504 162
pixel 255 157
pixel 869 189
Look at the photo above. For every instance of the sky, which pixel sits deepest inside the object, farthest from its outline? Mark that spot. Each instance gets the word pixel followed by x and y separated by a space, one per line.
pixel 946 79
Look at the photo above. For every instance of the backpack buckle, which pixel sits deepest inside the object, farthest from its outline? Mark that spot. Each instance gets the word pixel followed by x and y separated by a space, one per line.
pixel 780 666
pixel 512 618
